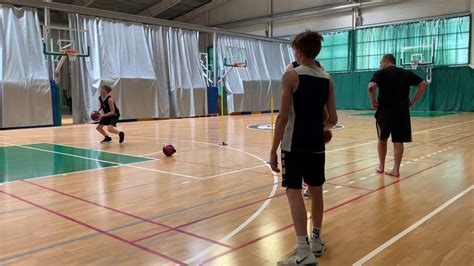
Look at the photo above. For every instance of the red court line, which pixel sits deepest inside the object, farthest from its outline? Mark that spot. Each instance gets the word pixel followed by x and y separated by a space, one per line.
pixel 235 209
pixel 360 188
pixel 353 172
pixel 465 137
pixel 325 211
pixel 96 229
pixel 212 216
pixel 170 228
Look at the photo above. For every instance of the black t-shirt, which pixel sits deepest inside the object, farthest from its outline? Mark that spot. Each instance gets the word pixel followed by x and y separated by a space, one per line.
pixel 394 86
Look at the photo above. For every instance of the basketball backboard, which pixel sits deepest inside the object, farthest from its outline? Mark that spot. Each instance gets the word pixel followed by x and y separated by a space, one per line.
pixel 61 41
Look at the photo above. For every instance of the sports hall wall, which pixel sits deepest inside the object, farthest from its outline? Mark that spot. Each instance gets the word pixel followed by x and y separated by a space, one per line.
pixel 155 71
pixel 352 55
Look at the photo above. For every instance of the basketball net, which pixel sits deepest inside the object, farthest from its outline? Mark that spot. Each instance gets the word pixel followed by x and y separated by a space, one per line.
pixel 414 65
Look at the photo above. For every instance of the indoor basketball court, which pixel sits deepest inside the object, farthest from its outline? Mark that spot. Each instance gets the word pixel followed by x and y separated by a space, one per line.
pixel 198 88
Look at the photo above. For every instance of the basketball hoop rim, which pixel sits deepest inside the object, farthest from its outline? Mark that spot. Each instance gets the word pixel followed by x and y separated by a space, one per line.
pixel 71 54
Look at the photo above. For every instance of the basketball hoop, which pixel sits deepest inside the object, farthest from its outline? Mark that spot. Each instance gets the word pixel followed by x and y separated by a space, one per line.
pixel 239 64
pixel 414 65
pixel 71 54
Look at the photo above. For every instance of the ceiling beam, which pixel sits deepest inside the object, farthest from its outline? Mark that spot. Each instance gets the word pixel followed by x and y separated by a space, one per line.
pixel 87 11
pixel 198 11
pixel 318 10
pixel 83 2
pixel 159 8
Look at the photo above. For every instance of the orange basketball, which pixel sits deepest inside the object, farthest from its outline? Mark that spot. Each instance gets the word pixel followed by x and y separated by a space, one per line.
pixel 95 116
pixel 327 134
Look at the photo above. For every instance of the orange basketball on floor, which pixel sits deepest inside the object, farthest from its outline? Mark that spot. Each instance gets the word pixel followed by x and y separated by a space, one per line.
pixel 327 134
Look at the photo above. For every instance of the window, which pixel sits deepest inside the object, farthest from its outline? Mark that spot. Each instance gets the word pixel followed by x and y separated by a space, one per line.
pixel 449 37
pixel 335 52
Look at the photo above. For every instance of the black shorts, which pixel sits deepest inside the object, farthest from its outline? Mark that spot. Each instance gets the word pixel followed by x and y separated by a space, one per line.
pixel 111 120
pixel 299 166
pixel 394 122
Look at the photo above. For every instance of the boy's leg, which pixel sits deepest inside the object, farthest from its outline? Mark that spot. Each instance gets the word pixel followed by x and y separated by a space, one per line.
pixel 298 211
pixel 317 210
pixel 113 129
pixel 382 151
pixel 292 181
pixel 315 178
pixel 398 149
pixel 317 205
pixel 101 130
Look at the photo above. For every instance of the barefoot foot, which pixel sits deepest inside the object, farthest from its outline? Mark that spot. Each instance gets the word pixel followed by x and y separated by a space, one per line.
pixel 393 173
pixel 379 169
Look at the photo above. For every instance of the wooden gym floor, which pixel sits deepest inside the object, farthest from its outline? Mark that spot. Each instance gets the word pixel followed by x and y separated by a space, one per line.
pixel 65 199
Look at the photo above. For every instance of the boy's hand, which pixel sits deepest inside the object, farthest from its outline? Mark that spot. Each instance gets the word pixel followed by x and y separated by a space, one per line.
pixel 274 162
pixel 375 105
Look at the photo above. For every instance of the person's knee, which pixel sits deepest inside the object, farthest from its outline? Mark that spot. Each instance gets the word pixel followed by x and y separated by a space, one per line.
pixel 110 128
pixel 293 193
pixel 99 127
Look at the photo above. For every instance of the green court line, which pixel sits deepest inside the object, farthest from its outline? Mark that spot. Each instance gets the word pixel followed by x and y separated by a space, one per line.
pixel 42 159
pixel 415 114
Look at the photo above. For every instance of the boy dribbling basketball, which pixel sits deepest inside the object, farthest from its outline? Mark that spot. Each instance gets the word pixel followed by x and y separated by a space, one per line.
pixel 110 116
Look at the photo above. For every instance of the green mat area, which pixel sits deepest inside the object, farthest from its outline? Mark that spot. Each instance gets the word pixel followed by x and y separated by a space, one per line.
pixel 414 114
pixel 38 160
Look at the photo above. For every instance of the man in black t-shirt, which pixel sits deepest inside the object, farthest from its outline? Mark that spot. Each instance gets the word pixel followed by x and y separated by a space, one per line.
pixel 393 108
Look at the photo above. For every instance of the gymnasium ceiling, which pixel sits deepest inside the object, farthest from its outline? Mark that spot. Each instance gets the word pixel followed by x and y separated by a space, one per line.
pixel 163 9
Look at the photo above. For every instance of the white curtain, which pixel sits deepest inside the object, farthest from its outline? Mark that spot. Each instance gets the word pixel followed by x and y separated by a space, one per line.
pixel 119 58
pixel 25 92
pixel 154 71
pixel 187 84
pixel 252 88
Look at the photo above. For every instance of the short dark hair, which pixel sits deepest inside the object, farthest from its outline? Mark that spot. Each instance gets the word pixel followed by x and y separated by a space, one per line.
pixel 107 88
pixel 389 57
pixel 309 43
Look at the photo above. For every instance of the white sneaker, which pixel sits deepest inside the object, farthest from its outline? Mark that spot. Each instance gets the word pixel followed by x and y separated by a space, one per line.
pixel 306 194
pixel 318 246
pixel 300 257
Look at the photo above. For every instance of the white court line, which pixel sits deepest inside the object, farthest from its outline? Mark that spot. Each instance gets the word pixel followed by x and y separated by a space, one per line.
pixel 68 173
pixel 101 151
pixel 372 142
pixel 97 160
pixel 405 232
pixel 253 216
pixel 236 171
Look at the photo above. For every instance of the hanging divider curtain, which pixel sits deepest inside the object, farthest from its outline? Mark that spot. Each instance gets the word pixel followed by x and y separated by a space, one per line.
pixel 154 71
pixel 119 58
pixel 450 38
pixel 251 88
pixel 25 91
pixel 187 84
